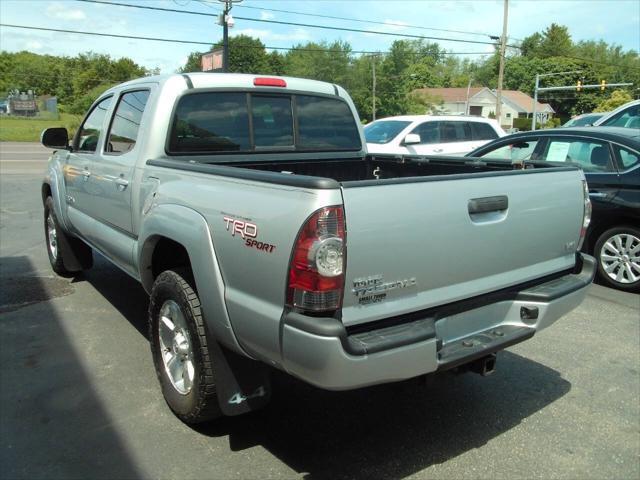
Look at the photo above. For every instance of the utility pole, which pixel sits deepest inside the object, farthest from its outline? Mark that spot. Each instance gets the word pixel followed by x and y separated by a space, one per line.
pixel 227 22
pixel 503 43
pixel 373 88
pixel 466 107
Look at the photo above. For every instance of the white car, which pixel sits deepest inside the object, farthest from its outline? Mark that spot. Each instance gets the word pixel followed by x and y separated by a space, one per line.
pixel 430 135
pixel 627 115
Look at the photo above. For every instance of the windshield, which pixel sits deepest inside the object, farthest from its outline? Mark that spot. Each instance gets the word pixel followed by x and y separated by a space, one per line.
pixel 583 121
pixel 383 131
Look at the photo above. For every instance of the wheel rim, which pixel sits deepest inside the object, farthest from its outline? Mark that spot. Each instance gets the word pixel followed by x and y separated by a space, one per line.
pixel 620 258
pixel 52 236
pixel 175 347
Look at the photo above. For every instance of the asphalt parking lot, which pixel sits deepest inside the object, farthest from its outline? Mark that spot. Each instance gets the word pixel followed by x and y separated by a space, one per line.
pixel 79 397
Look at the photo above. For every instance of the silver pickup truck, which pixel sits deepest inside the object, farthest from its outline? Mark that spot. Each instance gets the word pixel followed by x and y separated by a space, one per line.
pixel 249 210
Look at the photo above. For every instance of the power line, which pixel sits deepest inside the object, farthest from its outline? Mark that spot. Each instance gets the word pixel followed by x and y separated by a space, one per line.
pixel 195 42
pixel 308 25
pixel 375 22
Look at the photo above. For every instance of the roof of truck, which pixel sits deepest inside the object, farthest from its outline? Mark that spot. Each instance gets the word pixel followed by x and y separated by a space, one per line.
pixel 239 80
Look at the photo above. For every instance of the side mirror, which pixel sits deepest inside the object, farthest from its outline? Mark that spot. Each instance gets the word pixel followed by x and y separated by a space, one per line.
pixel 411 139
pixel 56 137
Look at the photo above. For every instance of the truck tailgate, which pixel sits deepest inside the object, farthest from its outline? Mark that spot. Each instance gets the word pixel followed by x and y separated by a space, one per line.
pixel 417 243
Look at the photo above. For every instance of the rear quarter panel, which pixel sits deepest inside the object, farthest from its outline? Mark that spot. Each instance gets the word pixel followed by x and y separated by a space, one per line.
pixel 254 279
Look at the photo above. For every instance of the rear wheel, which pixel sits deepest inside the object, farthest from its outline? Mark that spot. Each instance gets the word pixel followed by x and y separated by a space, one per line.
pixel 180 349
pixel 618 253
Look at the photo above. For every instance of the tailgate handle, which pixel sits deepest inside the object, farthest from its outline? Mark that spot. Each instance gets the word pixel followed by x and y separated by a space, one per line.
pixel 488 204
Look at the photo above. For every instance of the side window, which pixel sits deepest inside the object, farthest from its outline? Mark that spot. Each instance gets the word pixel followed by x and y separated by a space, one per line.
pixel 628 158
pixel 482 131
pixel 515 152
pixel 590 155
pixel 429 132
pixel 455 132
pixel 89 133
pixel 272 121
pixel 126 122
pixel 629 117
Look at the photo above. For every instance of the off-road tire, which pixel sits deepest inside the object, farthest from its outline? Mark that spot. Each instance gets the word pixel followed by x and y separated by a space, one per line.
pixel 201 402
pixel 56 261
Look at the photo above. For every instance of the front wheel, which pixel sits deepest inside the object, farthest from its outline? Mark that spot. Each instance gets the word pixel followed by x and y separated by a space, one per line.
pixel 618 254
pixel 180 350
pixel 52 234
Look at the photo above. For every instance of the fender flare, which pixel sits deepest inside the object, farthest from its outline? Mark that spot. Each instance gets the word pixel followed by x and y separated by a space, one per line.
pixel 190 229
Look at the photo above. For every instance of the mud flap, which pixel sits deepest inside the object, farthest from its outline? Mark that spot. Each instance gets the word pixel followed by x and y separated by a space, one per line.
pixel 76 255
pixel 243 385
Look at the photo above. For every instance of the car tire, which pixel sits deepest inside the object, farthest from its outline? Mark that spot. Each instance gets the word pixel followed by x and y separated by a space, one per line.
pixel 61 246
pixel 179 346
pixel 617 252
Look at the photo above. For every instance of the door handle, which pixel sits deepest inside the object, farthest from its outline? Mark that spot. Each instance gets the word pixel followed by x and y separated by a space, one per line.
pixel 438 150
pixel 86 173
pixel 597 195
pixel 488 204
pixel 122 183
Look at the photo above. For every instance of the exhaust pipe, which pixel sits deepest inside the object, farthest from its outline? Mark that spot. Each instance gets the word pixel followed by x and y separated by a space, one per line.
pixel 484 366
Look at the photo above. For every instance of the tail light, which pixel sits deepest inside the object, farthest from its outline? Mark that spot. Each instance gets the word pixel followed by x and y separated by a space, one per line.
pixel 586 215
pixel 316 273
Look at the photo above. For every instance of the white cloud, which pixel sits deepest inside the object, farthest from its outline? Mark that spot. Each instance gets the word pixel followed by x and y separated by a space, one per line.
pixel 266 15
pixel 33 45
pixel 297 35
pixel 62 12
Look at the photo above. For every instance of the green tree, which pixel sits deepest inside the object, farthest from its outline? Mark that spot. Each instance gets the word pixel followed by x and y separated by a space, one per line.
pixel 556 42
pixel 246 55
pixel 617 98
pixel 193 63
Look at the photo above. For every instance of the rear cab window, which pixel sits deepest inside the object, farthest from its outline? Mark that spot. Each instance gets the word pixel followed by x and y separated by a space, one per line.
pixel 236 122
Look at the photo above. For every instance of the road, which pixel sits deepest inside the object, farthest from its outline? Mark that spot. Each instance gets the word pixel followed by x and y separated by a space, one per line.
pixel 79 397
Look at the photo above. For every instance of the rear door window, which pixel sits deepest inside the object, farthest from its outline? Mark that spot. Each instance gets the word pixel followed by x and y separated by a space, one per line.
pixel 482 131
pixel 455 132
pixel 628 158
pixel 126 122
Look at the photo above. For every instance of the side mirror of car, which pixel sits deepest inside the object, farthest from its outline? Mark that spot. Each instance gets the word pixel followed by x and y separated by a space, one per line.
pixel 411 139
pixel 56 137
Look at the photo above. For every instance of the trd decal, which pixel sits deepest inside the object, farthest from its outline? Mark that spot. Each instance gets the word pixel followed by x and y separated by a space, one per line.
pixel 244 229
pixel 374 290
pixel 248 232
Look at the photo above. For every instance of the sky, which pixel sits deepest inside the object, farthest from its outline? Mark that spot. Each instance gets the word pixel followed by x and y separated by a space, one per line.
pixel 615 21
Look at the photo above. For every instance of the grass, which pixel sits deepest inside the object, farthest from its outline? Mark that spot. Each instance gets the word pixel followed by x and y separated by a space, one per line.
pixel 15 129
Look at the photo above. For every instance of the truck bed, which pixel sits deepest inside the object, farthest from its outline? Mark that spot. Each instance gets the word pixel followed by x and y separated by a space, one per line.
pixel 371 168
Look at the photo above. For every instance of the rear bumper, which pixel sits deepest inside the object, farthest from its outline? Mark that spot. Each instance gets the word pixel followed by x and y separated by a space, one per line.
pixel 324 353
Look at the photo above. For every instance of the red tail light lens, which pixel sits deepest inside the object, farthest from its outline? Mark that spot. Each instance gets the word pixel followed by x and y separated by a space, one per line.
pixel 269 82
pixel 316 273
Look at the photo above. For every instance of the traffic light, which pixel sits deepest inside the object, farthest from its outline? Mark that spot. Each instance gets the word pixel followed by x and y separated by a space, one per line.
pixel 579 86
pixel 603 85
